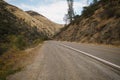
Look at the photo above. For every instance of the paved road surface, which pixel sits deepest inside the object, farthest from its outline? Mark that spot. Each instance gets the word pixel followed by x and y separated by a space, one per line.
pixel 55 62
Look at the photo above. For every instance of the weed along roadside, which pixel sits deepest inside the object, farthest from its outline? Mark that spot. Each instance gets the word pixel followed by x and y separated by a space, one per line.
pixel 14 61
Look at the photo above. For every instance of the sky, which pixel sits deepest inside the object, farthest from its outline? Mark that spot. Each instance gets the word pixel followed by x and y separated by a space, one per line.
pixel 52 9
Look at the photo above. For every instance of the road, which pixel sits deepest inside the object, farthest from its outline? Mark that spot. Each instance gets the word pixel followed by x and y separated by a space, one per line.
pixel 56 62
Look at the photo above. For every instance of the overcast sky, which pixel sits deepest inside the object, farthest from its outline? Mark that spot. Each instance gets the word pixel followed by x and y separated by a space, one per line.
pixel 52 9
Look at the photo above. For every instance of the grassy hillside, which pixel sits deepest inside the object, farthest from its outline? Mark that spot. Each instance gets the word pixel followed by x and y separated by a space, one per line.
pixel 20 30
pixel 99 23
pixel 45 25
pixel 16 32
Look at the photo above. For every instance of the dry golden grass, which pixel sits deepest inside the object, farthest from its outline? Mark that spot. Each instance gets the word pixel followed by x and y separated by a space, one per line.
pixel 13 61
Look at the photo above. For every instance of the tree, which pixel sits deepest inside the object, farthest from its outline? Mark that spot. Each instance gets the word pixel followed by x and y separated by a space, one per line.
pixel 66 19
pixel 95 1
pixel 70 13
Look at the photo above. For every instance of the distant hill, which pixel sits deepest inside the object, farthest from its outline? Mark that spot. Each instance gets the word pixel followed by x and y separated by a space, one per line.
pixel 99 23
pixel 45 25
pixel 20 30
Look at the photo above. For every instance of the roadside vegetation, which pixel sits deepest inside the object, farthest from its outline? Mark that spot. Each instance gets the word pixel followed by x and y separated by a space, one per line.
pixel 16 36
pixel 15 60
pixel 13 51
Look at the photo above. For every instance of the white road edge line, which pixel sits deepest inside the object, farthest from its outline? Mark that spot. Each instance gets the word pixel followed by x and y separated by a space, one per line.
pixel 94 57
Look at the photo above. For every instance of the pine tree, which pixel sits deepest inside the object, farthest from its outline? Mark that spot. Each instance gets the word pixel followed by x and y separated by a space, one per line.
pixel 95 1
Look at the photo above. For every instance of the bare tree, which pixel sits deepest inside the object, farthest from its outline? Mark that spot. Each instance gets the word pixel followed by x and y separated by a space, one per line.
pixel 70 10
pixel 66 19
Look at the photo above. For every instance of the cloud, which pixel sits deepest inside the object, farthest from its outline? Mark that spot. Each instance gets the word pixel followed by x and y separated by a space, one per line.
pixel 54 11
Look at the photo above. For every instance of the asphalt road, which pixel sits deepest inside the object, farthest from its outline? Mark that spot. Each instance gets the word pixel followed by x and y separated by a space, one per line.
pixel 56 62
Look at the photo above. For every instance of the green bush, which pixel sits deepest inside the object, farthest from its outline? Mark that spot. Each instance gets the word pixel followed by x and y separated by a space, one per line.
pixel 17 41
pixel 89 11
pixel 20 42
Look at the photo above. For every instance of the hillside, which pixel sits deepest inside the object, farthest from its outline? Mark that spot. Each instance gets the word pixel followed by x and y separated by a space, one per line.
pixel 99 23
pixel 19 30
pixel 48 27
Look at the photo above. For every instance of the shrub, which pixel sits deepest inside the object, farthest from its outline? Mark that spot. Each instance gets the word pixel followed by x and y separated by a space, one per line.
pixel 89 11
pixel 20 42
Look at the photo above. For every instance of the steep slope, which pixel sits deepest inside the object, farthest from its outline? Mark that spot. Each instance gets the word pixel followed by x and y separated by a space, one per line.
pixel 48 27
pixel 99 23
pixel 19 30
